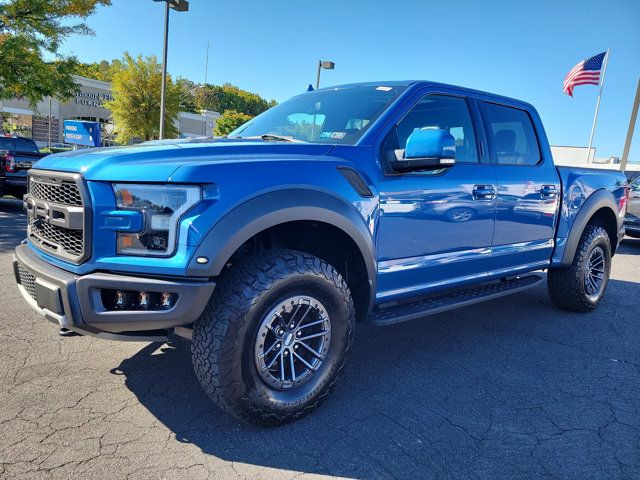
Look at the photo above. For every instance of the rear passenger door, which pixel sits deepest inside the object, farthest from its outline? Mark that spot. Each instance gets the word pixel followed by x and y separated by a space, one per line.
pixel 528 189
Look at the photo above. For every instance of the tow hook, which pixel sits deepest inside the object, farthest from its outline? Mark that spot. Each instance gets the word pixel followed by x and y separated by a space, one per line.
pixel 65 332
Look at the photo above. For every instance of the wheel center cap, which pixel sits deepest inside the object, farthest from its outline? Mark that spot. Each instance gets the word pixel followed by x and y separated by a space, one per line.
pixel 288 340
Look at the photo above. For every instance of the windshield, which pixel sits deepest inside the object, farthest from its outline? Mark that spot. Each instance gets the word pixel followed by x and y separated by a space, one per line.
pixel 339 115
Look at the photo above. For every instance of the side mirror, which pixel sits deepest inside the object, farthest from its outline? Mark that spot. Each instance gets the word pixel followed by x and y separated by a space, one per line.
pixel 427 148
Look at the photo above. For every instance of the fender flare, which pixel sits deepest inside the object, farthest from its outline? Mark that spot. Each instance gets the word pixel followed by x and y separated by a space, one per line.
pixel 274 208
pixel 597 200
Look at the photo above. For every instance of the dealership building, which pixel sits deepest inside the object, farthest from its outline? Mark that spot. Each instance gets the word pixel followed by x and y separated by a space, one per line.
pixel 44 122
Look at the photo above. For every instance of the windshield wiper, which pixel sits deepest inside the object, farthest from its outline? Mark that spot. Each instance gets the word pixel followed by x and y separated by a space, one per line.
pixel 283 138
pixel 272 137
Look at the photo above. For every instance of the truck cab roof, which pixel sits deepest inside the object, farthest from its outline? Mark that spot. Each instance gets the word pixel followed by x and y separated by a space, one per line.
pixel 412 85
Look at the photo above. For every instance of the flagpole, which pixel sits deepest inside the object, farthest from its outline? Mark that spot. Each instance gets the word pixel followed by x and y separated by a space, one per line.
pixel 595 117
pixel 632 126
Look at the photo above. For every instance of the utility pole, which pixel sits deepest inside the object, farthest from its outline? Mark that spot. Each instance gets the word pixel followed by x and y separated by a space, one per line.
pixel 632 126
pixel 206 65
pixel 49 124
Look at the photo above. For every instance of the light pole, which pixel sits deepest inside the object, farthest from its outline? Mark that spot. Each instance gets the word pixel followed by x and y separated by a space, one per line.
pixel 327 65
pixel 178 6
pixel 49 124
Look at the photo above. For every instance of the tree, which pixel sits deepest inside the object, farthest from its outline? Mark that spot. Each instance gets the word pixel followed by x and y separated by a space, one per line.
pixel 229 97
pixel 31 29
pixel 102 70
pixel 187 90
pixel 229 121
pixel 135 108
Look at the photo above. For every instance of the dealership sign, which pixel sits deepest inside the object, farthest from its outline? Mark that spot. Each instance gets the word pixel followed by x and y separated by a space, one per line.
pixel 92 99
pixel 82 133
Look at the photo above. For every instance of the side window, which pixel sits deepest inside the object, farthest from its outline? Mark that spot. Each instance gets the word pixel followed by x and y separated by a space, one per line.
pixel 511 135
pixel 449 113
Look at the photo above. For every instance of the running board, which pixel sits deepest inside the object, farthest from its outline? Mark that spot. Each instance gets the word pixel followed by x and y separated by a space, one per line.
pixel 449 300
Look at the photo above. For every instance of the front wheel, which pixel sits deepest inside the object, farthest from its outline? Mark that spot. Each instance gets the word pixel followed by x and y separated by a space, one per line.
pixel 274 337
pixel 580 286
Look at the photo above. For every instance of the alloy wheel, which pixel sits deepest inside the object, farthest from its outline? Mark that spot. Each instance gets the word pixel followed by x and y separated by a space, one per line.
pixel 292 342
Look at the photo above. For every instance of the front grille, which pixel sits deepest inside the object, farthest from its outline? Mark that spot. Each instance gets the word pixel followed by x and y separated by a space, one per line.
pixel 28 281
pixel 71 241
pixel 65 192
pixel 55 223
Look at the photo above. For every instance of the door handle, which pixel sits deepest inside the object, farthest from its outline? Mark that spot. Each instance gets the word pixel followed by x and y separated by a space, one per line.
pixel 548 191
pixel 484 192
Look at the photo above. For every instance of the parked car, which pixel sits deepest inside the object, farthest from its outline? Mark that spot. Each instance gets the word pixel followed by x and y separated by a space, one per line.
pixel 632 219
pixel 60 147
pixel 267 247
pixel 17 156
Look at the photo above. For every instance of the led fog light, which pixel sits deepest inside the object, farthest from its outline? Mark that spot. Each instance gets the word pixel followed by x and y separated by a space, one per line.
pixel 137 300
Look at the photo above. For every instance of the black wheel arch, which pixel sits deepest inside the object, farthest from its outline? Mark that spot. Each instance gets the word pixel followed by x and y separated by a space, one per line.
pixel 279 207
pixel 600 208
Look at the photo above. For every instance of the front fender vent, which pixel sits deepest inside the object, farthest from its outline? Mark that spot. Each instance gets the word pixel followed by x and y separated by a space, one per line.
pixel 356 181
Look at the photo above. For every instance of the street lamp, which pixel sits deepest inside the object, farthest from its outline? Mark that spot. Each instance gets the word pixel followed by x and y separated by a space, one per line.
pixel 178 6
pixel 327 65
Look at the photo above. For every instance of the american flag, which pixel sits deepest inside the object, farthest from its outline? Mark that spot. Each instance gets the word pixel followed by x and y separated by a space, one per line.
pixel 587 72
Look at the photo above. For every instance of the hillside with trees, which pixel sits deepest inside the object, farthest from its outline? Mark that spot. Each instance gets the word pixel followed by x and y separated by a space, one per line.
pixel 235 104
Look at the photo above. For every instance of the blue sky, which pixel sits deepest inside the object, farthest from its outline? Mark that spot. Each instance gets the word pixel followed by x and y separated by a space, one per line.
pixel 521 49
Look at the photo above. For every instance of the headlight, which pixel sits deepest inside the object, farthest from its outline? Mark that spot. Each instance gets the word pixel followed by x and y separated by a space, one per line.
pixel 161 207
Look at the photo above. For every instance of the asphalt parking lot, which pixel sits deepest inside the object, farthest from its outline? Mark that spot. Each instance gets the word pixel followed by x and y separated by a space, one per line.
pixel 514 388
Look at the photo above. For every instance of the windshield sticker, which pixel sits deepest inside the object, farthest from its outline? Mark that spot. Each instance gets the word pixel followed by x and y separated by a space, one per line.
pixel 384 89
pixel 333 134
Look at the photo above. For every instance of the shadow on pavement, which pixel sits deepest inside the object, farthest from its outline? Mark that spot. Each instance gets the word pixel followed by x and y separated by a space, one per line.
pixel 510 388
pixel 13 224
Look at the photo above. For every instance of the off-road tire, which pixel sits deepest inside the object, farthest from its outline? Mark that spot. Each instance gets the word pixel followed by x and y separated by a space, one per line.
pixel 566 286
pixel 224 337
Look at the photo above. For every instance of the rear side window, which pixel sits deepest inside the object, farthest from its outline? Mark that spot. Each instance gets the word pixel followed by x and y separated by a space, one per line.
pixel 26 145
pixel 511 135
pixel 7 144
pixel 18 144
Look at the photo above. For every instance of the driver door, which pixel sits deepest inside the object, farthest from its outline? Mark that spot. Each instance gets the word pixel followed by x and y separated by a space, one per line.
pixel 436 226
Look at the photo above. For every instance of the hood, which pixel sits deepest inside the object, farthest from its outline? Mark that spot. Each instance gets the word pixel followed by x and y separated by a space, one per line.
pixel 157 162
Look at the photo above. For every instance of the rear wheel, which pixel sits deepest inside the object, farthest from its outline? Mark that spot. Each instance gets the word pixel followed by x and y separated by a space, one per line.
pixel 274 337
pixel 580 286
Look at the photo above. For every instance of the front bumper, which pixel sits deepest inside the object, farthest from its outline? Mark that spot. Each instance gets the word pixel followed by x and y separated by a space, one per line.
pixel 74 301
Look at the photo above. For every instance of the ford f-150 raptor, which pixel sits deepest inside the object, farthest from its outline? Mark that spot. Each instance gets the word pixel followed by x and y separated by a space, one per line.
pixel 374 202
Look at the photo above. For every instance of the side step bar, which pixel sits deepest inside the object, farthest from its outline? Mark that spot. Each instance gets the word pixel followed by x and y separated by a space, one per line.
pixel 449 300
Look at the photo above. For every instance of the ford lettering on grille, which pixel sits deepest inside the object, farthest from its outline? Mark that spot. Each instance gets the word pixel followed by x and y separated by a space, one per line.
pixel 58 215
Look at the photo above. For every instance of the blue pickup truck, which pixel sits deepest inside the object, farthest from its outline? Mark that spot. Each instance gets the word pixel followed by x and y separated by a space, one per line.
pixel 373 202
